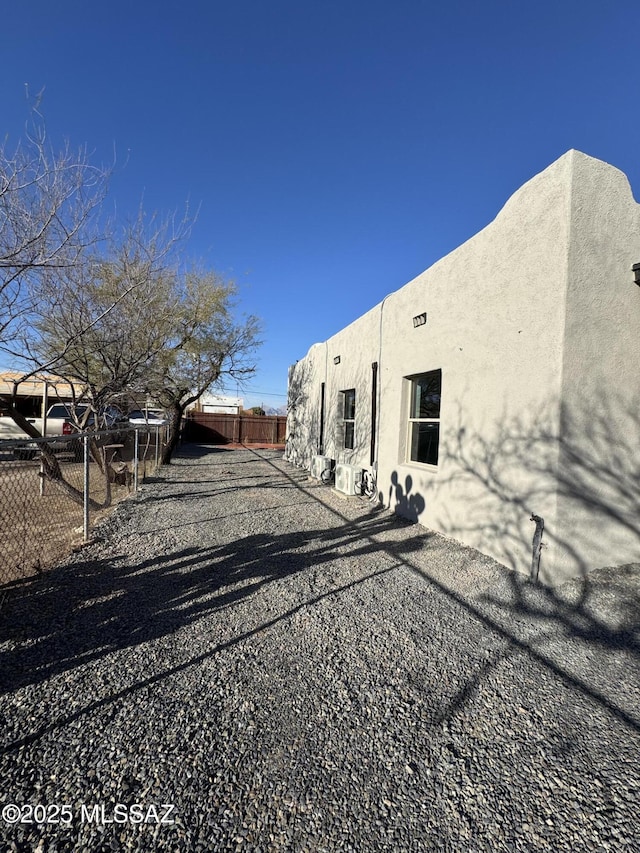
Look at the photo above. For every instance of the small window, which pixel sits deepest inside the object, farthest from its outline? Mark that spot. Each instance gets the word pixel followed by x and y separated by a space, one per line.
pixel 424 417
pixel 349 418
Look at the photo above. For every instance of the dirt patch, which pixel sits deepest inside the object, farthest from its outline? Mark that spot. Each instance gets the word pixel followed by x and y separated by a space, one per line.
pixel 40 524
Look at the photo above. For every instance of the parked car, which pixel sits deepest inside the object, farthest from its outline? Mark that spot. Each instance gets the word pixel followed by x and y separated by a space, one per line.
pixel 138 417
pixel 62 422
pixel 108 418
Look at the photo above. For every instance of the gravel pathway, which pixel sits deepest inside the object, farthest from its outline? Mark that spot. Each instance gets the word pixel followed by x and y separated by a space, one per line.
pixel 246 661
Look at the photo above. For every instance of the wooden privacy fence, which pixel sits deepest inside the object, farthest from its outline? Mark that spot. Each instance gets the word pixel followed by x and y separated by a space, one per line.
pixel 210 428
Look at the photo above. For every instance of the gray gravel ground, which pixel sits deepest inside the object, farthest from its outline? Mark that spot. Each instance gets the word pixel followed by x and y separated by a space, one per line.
pixel 294 671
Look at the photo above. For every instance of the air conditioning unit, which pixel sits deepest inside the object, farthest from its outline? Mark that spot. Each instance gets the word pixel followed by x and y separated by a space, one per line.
pixel 321 468
pixel 349 479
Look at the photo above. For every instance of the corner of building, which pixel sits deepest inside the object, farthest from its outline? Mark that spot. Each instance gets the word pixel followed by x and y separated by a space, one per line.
pixel 598 504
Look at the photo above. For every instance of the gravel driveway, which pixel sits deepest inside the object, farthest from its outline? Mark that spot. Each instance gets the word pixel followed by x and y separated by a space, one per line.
pixel 260 664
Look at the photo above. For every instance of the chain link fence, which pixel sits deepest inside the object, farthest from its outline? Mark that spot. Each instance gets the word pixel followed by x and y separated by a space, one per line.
pixel 53 491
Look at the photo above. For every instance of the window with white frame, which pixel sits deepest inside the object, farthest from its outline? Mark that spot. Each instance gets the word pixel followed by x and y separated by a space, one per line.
pixel 349 417
pixel 424 417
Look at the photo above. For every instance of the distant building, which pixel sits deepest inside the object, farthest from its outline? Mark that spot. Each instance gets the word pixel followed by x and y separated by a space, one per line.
pixel 218 404
pixel 500 389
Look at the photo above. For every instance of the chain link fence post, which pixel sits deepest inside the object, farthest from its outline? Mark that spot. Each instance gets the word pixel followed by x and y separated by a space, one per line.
pixel 136 448
pixel 85 490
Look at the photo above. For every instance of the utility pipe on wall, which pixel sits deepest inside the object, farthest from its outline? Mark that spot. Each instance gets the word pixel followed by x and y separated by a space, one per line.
pixel 537 546
pixel 376 443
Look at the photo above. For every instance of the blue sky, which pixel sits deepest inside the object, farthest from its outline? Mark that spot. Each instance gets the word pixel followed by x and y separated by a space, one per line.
pixel 334 149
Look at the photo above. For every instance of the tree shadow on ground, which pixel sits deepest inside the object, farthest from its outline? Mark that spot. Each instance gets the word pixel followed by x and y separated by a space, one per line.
pixel 599 611
pixel 81 612
pixel 590 469
pixel 603 609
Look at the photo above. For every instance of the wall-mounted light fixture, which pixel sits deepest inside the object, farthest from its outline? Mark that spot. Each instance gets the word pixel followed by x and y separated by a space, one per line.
pixel 336 360
pixel 636 273
pixel 419 319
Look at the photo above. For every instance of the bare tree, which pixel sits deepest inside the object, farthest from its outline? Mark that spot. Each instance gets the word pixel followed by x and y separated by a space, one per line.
pixel 96 323
pixel 48 206
pixel 133 325
pixel 115 321
pixel 101 323
pixel 209 343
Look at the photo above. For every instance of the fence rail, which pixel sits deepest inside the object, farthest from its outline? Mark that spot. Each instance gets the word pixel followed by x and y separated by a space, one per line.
pixel 43 519
pixel 213 428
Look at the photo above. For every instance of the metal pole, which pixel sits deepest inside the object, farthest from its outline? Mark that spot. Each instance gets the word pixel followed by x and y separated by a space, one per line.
pixel 45 406
pixel 158 428
pixel 135 461
pixel 85 442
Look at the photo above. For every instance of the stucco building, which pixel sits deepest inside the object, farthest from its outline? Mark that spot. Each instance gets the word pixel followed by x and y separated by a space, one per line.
pixel 500 384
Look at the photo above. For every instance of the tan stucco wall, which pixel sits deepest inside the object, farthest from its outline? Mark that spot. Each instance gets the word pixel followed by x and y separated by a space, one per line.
pixel 495 321
pixel 599 478
pixel 303 415
pixel 358 346
pixel 506 314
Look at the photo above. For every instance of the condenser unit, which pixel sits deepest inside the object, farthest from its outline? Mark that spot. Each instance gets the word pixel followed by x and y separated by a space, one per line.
pixel 349 479
pixel 321 468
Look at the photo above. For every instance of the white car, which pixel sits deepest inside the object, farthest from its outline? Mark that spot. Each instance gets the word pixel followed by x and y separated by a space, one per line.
pixel 139 418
